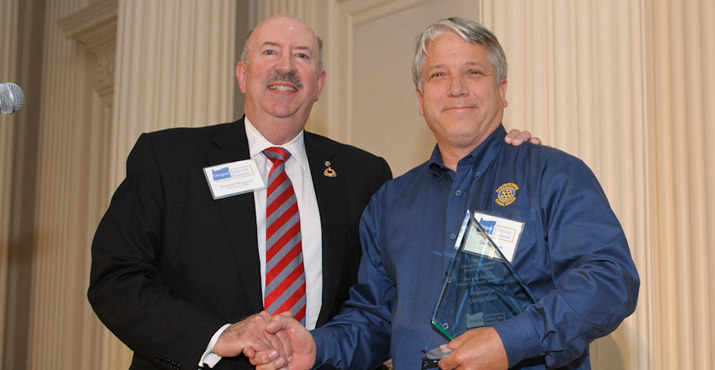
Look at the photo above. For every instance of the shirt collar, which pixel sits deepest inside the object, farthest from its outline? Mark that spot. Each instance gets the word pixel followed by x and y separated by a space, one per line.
pixel 257 143
pixel 481 156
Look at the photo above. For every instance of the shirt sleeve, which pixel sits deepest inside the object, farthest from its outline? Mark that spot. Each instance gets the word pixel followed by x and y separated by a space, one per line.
pixel 359 337
pixel 595 282
pixel 209 358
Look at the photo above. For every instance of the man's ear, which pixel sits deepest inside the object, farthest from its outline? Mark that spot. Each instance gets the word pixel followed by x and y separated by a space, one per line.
pixel 321 83
pixel 502 90
pixel 420 97
pixel 241 76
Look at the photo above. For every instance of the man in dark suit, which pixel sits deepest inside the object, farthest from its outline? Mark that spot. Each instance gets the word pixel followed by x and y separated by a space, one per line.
pixel 171 264
pixel 177 271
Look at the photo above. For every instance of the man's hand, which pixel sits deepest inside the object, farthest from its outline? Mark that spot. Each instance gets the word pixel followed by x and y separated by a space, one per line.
pixel 248 336
pixel 299 338
pixel 479 349
pixel 516 138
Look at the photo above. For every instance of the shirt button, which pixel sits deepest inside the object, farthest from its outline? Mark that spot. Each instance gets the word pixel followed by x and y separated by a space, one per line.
pixel 458 193
pixel 453 236
pixel 476 175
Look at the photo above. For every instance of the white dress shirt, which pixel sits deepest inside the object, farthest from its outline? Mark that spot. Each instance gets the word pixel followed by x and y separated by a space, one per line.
pixel 299 173
pixel 310 229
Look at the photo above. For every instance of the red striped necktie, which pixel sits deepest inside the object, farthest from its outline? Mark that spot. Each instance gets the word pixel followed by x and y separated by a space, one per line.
pixel 285 276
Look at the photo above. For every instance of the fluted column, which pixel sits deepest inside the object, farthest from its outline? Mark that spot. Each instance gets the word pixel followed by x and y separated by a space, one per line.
pixel 94 29
pixel 175 67
pixel 8 55
pixel 59 307
pixel 577 78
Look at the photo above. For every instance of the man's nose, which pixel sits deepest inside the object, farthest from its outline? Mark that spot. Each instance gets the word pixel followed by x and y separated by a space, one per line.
pixel 286 63
pixel 457 86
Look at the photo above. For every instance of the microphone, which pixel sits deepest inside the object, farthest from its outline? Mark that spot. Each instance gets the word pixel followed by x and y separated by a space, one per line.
pixel 11 98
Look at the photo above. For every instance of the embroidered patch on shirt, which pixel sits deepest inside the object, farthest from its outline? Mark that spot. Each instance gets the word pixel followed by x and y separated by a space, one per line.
pixel 506 194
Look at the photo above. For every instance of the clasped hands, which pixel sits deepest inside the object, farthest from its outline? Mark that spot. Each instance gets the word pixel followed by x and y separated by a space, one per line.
pixel 269 342
pixel 281 342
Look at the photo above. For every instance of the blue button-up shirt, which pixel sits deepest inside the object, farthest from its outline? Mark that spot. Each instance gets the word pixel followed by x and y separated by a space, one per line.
pixel 572 254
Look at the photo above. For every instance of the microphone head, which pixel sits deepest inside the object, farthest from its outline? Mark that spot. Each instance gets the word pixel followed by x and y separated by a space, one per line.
pixel 11 98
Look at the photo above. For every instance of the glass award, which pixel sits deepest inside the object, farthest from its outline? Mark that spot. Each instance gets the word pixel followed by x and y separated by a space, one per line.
pixel 481 287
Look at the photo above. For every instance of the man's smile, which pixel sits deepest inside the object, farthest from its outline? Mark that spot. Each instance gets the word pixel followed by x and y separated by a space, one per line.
pixel 282 87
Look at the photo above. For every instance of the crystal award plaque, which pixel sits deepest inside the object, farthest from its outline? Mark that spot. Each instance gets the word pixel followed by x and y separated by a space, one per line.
pixel 481 287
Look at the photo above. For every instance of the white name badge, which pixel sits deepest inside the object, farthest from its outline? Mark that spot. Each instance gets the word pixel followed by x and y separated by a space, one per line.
pixel 504 232
pixel 233 178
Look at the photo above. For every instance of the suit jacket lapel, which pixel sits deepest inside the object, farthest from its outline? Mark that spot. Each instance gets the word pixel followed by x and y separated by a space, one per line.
pixel 330 193
pixel 239 212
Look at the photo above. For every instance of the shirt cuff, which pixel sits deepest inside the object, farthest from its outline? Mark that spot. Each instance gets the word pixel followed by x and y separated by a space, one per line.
pixel 519 338
pixel 209 358
pixel 323 346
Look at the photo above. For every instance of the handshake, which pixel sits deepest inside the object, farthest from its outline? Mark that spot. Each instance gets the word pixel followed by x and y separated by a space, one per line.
pixel 269 342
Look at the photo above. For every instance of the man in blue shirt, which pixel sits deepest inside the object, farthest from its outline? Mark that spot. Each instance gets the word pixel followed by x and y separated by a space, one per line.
pixel 572 252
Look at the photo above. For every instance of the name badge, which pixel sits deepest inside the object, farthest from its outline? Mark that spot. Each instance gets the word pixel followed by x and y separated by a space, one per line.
pixel 233 178
pixel 504 232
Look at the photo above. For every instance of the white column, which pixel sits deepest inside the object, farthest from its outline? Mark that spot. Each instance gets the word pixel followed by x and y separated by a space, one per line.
pixel 59 306
pixel 175 67
pixel 94 28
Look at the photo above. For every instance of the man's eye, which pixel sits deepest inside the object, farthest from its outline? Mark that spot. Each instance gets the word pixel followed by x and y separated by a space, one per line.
pixel 303 56
pixel 269 52
pixel 437 75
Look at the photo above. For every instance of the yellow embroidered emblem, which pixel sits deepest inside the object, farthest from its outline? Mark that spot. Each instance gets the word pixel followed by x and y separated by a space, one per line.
pixel 506 194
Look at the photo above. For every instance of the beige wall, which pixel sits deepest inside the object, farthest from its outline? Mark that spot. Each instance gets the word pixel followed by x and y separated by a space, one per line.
pixel 626 85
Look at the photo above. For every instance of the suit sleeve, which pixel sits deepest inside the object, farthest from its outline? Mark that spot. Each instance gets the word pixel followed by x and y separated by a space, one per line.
pixel 126 288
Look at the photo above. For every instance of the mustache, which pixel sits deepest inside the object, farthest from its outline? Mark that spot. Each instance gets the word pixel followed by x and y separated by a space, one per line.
pixel 289 77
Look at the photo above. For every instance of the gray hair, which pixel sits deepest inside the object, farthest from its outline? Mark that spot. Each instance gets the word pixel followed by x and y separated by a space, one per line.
pixel 244 53
pixel 468 30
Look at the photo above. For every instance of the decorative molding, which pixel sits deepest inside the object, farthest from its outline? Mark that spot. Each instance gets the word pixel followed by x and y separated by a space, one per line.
pixel 96 28
pixel 92 26
pixel 105 73
pixel 364 12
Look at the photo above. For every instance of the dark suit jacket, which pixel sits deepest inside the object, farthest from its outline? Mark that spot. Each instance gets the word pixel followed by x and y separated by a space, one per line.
pixel 170 265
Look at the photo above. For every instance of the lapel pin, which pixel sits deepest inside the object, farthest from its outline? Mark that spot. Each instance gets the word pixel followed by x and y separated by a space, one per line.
pixel 329 172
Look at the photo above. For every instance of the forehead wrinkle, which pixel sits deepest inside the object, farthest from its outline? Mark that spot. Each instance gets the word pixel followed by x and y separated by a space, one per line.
pixel 277 44
pixel 435 66
pixel 270 43
pixel 444 65
pixel 484 66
